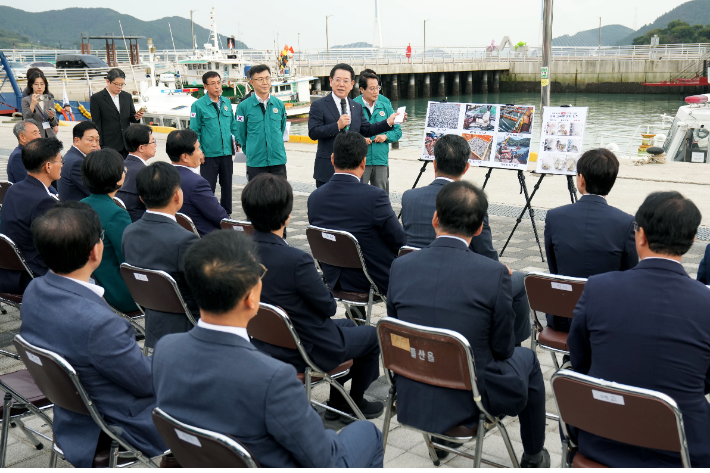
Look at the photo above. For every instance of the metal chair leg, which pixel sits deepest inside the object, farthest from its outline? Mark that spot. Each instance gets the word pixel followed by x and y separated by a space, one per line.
pixel 346 396
pixel 565 454
pixel 113 454
pixel 554 360
pixel 479 440
pixel 53 458
pixel 432 452
pixel 504 433
pixel 308 383
pixel 369 305
pixel 388 418
pixel 7 405
pixel 30 436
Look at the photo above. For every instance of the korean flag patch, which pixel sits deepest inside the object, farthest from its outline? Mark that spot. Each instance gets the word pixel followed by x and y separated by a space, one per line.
pixel 240 118
pixel 276 110
pixel 193 115
pixel 382 114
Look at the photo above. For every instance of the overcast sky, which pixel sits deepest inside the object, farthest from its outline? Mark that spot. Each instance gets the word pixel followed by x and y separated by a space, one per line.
pixel 453 22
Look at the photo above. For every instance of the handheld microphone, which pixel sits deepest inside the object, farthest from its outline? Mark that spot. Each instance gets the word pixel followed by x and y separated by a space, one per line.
pixel 344 109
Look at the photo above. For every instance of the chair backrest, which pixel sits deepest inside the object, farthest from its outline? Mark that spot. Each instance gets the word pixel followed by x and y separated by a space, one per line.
pixel 405 250
pixel 627 414
pixel 553 294
pixel 335 247
pixel 238 225
pixel 119 202
pixel 186 223
pixel 199 448
pixel 271 325
pixel 155 290
pixel 11 258
pixel 4 186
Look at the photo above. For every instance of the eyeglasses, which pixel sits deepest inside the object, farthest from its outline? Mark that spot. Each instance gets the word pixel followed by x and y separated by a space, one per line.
pixel 341 81
pixel 101 236
pixel 219 82
pixel 636 227
pixel 116 84
pixel 263 80
pixel 374 89
pixel 264 273
pixel 150 143
pixel 61 160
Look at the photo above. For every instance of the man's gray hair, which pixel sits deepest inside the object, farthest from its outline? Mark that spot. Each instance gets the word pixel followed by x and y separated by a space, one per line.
pixel 20 127
pixel 114 74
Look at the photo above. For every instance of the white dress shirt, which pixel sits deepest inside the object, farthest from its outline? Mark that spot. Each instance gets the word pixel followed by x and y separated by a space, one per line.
pixel 371 108
pixel 161 213
pixel 265 102
pixel 455 238
pixel 50 194
pixel 336 99
pixel 141 159
pixel 346 174
pixel 82 153
pixel 241 331
pixel 445 179
pixel 116 102
pixel 96 289
pixel 195 170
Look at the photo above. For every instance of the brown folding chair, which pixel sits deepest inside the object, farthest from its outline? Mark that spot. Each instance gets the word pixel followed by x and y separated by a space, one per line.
pixel 341 249
pixel 442 358
pixel 119 202
pixel 405 250
pixel 186 223
pixel 11 259
pixel 59 382
pixel 199 448
pixel 4 186
pixel 273 326
pixel 238 225
pixel 626 414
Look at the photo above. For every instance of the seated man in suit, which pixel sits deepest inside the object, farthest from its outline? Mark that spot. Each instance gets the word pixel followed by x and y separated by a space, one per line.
pixel 345 203
pixel 25 131
pixel 86 140
pixel 64 312
pixel 649 327
pixel 157 241
pixel 199 203
pixel 243 392
pixel 141 147
pixel 446 285
pixel 26 201
pixel 589 237
pixel 293 283
pixel 418 207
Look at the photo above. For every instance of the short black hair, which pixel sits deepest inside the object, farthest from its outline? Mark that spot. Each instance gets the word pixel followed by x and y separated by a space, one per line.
pixel 258 69
pixel 114 74
pixel 157 184
pixel 137 135
pixel 208 75
pixel 221 269
pixel 38 152
pixel 670 222
pixel 82 127
pixel 101 170
pixel 65 236
pixel 344 67
pixel 371 71
pixel 267 201
pixel 461 208
pixel 599 167
pixel 349 150
pixel 180 142
pixel 451 153
pixel 364 76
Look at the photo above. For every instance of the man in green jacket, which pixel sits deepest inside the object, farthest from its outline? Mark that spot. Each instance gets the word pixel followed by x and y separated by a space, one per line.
pixel 211 117
pixel 377 108
pixel 261 121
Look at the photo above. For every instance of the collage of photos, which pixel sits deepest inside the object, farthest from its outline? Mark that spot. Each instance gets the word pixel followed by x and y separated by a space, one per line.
pixel 561 141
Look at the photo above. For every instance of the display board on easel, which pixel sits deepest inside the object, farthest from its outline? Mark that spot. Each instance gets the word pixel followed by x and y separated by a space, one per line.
pixel 561 140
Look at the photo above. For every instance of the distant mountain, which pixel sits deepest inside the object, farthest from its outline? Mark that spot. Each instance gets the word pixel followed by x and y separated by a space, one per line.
pixel 611 34
pixel 694 12
pixel 64 27
pixel 360 44
pixel 10 40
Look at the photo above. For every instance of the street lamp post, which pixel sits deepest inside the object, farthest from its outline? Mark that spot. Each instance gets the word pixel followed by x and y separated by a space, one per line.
pixel 327 44
pixel 545 73
pixel 192 28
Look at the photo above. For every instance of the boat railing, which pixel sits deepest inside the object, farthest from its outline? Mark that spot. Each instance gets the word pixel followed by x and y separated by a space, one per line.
pixel 628 141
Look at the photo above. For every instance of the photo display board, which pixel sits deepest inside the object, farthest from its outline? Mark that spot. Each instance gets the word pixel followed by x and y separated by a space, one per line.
pixel 561 140
pixel 499 135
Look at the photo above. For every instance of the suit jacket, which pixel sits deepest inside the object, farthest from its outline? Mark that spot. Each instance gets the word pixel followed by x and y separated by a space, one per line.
pixel 110 123
pixel 129 192
pixel 323 127
pixel 704 267
pixel 587 238
pixel 418 207
pixel 221 382
pixel 446 285
pixel 647 327
pixel 15 169
pixel 347 204
pixel 293 283
pixel 40 116
pixel 71 187
pixel 159 243
pixel 65 317
pixel 199 202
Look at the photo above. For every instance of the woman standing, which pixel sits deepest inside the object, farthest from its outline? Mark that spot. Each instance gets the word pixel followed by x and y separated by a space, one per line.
pixel 38 104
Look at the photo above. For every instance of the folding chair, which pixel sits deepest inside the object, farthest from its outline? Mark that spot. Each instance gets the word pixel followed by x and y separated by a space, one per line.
pixel 58 380
pixel 4 186
pixel 186 223
pixel 271 325
pixel 238 225
pixel 341 249
pixel 626 414
pixel 443 358
pixel 119 202
pixel 405 250
pixel 22 399
pixel 11 259
pixel 199 448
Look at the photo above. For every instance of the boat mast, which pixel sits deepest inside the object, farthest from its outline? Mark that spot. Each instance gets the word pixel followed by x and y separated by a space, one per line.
pixel 213 33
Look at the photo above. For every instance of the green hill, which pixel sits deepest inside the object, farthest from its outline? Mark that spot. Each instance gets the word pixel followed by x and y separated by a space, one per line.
pixel 64 27
pixel 611 34
pixel 694 12
pixel 10 40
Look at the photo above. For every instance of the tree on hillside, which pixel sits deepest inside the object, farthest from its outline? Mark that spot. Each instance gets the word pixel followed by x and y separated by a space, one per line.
pixel 677 32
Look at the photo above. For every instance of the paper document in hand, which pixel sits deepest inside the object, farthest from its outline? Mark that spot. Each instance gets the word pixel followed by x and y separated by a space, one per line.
pixel 287 131
pixel 400 117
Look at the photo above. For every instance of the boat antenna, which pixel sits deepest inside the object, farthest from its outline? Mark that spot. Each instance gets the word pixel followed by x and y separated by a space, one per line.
pixel 173 40
pixel 135 83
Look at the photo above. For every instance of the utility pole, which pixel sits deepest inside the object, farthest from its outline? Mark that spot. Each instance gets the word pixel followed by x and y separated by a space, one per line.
pixel 327 44
pixel 545 76
pixel 424 54
pixel 192 27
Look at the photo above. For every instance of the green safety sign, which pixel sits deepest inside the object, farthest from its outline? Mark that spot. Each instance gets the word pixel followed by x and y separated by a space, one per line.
pixel 544 72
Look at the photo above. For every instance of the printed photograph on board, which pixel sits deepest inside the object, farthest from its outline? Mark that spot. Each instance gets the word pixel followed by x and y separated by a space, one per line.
pixel 480 117
pixel 512 149
pixel 480 146
pixel 516 119
pixel 443 115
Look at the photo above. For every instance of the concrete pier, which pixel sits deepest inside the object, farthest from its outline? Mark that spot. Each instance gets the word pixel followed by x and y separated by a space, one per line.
pixel 484 82
pixel 496 81
pixel 469 83
pixel 412 90
pixel 426 89
pixel 394 90
pixel 456 90
pixel 442 85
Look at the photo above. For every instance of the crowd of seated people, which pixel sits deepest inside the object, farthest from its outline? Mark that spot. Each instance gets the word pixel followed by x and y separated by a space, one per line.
pixel 641 323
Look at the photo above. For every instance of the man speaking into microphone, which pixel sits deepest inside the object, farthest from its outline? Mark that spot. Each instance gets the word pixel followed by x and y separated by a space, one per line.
pixel 337 113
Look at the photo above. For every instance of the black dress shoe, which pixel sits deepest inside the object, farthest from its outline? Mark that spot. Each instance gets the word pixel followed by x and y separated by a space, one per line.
pixel 370 409
pixel 543 463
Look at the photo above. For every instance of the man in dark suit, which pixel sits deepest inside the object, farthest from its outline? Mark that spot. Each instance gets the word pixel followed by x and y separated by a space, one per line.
pixel 649 327
pixel 26 201
pixel 243 392
pixel 25 131
pixel 345 203
pixel 704 267
pixel 86 140
pixel 199 203
pixel 157 241
pixel 64 312
pixel 113 112
pixel 418 207
pixel 446 285
pixel 334 114
pixel 589 237
pixel 141 146
pixel 293 283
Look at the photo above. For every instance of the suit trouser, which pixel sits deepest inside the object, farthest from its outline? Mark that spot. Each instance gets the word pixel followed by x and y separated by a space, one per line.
pixel 222 167
pixel 279 170
pixel 378 176
pixel 319 183
pixel 361 346
pixel 521 307
pixel 362 443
